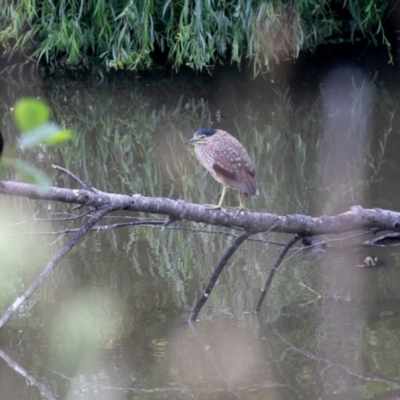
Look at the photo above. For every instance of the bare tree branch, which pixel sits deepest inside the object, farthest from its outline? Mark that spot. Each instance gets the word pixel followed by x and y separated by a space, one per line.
pixel 275 268
pixel 82 184
pixel 357 218
pixel 238 241
pixel 24 373
pixel 248 223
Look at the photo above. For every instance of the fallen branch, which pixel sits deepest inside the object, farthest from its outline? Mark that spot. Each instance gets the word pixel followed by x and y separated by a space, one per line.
pixel 357 218
pixel 249 223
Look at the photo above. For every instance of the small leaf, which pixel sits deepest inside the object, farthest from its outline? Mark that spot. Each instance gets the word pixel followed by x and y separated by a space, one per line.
pixel 49 132
pixel 60 136
pixel 30 113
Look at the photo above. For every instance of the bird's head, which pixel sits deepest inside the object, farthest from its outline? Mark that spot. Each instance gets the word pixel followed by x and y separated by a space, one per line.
pixel 200 135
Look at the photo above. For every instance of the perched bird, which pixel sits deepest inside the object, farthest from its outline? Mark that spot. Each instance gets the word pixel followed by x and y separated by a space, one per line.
pixel 228 162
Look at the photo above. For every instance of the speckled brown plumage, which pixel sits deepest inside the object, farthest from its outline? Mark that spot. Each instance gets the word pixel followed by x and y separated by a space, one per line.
pixel 228 161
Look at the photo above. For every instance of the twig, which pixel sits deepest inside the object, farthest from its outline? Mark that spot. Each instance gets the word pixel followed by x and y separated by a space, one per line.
pixel 50 266
pixel 238 241
pixel 32 380
pixel 82 184
pixel 146 222
pixel 35 220
pixel 277 360
pixel 330 364
pixel 57 239
pixel 170 220
pixel 319 296
pixel 265 288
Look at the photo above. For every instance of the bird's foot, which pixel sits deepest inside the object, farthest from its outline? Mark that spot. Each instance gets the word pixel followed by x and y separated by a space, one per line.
pixel 241 208
pixel 215 207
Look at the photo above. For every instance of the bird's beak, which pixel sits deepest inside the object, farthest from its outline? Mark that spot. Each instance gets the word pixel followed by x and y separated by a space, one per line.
pixel 192 140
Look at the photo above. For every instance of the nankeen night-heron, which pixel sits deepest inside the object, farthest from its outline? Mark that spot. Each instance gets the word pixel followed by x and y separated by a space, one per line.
pixel 228 162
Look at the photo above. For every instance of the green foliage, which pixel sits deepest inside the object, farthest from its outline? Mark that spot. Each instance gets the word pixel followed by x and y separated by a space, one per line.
pixel 31 117
pixel 199 34
pixel 30 114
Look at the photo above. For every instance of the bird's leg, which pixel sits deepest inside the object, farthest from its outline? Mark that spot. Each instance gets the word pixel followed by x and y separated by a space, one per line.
pixel 241 207
pixel 221 200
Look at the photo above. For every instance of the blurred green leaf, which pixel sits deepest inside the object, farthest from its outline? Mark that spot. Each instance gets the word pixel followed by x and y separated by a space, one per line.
pixel 48 132
pixel 30 113
pixel 32 118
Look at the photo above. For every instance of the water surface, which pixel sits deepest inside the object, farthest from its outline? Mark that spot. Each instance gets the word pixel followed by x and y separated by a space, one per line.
pixel 110 322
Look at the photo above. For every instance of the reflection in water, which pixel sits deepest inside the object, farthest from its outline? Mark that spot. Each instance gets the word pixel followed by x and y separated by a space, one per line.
pixel 221 357
pixel 348 99
pixel 45 392
pixel 109 323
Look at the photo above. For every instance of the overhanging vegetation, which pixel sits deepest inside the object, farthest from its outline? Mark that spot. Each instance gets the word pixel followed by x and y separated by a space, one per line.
pixel 199 34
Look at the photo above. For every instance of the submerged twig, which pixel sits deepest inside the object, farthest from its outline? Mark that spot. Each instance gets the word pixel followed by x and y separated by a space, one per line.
pixel 329 364
pixel 276 266
pixel 29 378
pixel 319 296
pixel 50 266
pixel 238 241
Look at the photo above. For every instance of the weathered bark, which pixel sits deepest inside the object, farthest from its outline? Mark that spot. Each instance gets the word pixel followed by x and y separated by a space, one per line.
pixel 357 218
pixel 250 222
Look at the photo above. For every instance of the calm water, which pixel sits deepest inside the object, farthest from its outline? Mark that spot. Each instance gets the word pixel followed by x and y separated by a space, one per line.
pixel 110 322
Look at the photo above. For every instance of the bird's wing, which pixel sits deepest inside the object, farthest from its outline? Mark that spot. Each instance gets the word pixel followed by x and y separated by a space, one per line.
pixel 244 181
pixel 226 174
